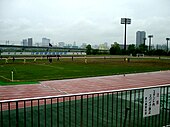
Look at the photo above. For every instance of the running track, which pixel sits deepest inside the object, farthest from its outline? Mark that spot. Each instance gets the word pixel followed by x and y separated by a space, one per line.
pixel 82 85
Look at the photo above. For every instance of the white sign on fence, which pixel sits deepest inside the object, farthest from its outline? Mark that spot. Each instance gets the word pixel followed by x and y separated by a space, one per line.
pixel 151 103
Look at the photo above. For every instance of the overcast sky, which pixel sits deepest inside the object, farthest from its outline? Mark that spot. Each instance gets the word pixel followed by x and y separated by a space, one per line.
pixel 83 21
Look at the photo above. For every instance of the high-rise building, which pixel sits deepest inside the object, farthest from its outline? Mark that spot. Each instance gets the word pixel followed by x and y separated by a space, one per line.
pixel 45 41
pixel 30 41
pixel 24 42
pixel 83 45
pixel 140 38
pixel 61 44
pixel 74 43
pixel 103 46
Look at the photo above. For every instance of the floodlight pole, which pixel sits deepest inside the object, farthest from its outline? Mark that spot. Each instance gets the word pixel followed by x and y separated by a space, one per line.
pixel 150 37
pixel 125 35
pixel 167 39
pixel 125 21
pixel 144 39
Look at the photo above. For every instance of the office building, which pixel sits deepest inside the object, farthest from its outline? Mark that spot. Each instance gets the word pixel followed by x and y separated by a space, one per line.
pixel 45 41
pixel 30 41
pixel 61 44
pixel 24 42
pixel 140 38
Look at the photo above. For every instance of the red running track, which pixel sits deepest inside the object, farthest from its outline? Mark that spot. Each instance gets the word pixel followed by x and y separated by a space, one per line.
pixel 83 85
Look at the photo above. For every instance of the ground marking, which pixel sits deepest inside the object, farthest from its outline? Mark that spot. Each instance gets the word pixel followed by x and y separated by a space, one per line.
pixel 50 66
pixel 5 78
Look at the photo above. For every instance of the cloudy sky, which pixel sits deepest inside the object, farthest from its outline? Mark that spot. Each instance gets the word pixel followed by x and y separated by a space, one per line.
pixel 83 21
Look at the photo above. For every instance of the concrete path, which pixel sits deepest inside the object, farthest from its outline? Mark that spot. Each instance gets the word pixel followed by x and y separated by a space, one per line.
pixel 82 85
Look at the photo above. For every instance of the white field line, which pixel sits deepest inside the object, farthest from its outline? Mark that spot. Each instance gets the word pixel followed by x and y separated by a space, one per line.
pixel 5 78
pixel 58 90
pixel 50 66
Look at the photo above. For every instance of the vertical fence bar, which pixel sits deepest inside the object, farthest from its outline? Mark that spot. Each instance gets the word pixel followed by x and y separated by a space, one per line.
pixel 45 112
pixel 92 110
pixel 102 109
pixel 126 110
pixel 149 121
pixel 134 97
pixel 63 111
pixel 138 107
pixel 107 109
pixel 130 108
pixel 81 111
pixel 25 123
pixel 163 106
pixel 134 108
pixel 156 120
pixel 9 114
pixel 142 109
pixel 121 105
pixel 51 112
pixel 87 109
pixel 31 114
pixel 97 110
pixel 166 106
pixel 112 111
pixel 159 122
pixel 75 111
pixel 116 109
pixel 57 112
pixel 38 113
pixel 17 115
pixel 1 116
pixel 69 111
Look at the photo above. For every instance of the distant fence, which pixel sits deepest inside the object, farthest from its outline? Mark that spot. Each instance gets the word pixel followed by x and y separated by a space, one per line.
pixel 40 53
pixel 139 107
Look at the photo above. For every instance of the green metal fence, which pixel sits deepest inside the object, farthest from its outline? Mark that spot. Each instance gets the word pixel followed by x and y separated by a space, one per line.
pixel 116 108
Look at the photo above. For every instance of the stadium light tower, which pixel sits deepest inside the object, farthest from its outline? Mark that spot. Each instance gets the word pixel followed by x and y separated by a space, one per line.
pixel 150 37
pixel 144 40
pixel 167 39
pixel 125 21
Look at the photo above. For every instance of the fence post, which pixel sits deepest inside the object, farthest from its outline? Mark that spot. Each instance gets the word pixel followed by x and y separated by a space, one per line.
pixel 17 118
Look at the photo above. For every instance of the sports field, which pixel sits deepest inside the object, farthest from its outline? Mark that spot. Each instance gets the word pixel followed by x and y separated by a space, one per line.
pixel 65 68
pixel 104 110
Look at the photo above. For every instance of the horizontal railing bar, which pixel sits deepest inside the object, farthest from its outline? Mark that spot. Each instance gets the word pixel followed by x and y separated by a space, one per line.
pixel 79 94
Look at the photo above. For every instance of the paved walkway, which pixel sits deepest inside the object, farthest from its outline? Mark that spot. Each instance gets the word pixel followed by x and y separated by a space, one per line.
pixel 82 85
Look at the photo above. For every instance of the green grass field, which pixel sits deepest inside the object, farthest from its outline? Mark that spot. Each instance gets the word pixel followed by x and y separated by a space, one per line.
pixel 31 72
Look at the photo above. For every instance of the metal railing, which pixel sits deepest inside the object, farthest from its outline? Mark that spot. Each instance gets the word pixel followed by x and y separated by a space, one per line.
pixel 115 108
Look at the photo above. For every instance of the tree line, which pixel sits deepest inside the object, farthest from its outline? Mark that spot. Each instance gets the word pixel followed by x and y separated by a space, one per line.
pixel 131 50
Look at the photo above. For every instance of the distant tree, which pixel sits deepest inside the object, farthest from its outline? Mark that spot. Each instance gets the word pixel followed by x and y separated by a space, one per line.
pixel 95 51
pixel 88 49
pixel 131 49
pixel 115 49
pixel 159 52
pixel 143 48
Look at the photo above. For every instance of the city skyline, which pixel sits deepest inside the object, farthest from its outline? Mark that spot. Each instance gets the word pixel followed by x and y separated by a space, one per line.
pixel 81 21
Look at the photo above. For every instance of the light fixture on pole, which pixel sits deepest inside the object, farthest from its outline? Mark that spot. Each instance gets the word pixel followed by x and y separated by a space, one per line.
pixel 125 21
pixel 150 36
pixel 167 39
